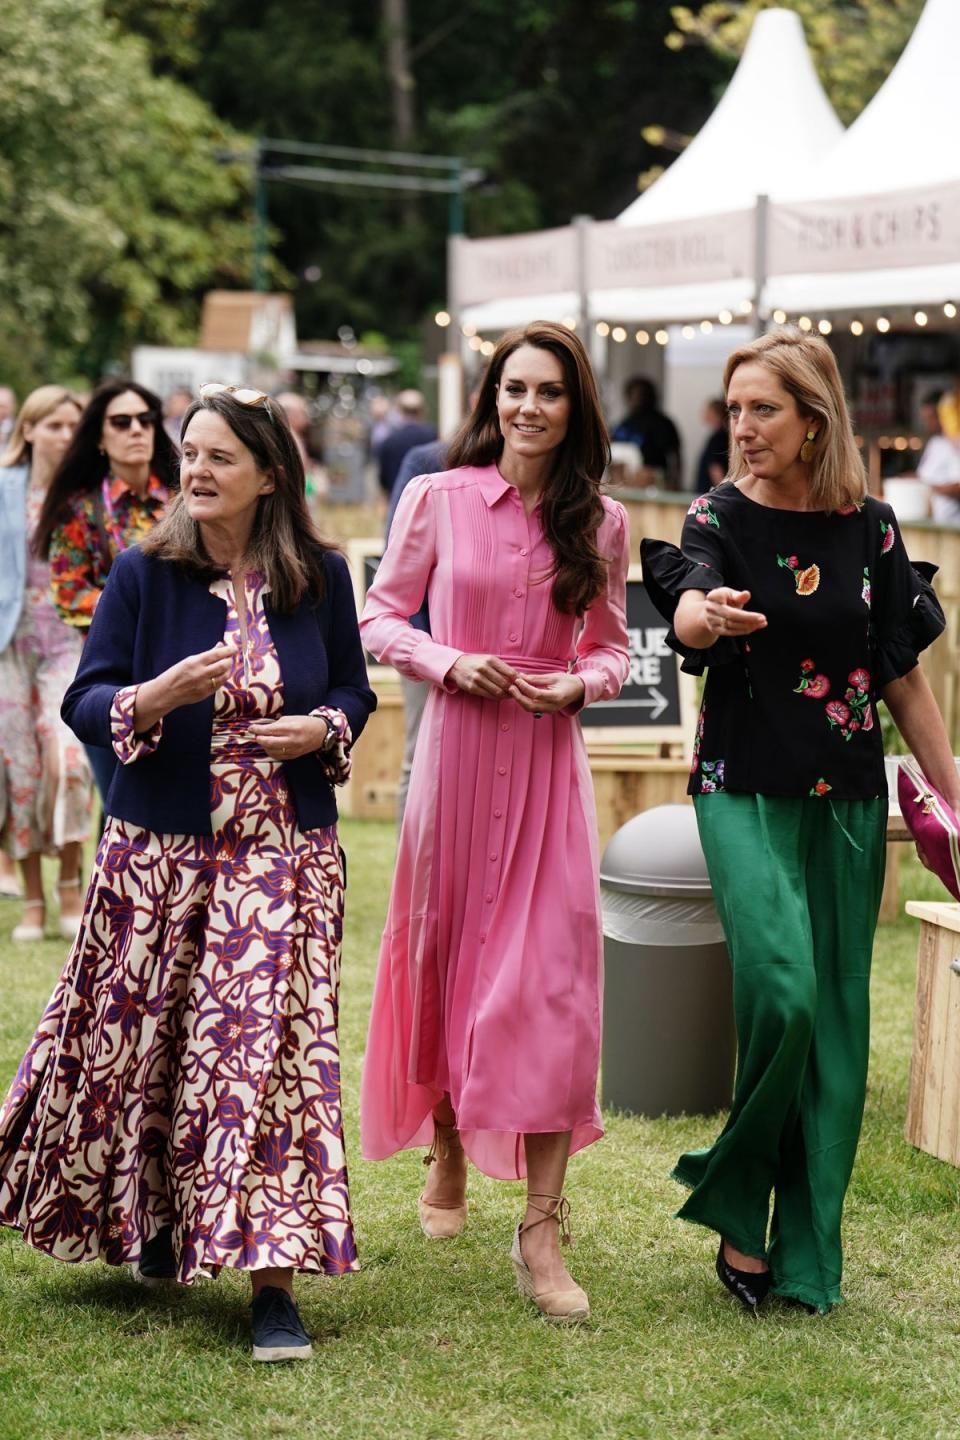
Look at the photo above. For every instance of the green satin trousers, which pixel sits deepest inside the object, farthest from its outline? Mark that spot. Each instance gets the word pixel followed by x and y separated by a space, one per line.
pixel 797 884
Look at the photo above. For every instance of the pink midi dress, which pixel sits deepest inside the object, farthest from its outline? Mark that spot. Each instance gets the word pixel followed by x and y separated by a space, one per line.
pixel 489 984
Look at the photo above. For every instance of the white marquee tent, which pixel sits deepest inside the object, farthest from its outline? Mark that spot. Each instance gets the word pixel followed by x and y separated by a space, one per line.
pixel 689 239
pixel 877 222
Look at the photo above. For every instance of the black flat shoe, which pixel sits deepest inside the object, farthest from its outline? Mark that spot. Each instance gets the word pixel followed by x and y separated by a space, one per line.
pixel 747 1286
pixel 157 1264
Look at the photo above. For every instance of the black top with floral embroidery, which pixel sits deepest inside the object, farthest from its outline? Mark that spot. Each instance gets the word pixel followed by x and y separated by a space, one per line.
pixel 791 709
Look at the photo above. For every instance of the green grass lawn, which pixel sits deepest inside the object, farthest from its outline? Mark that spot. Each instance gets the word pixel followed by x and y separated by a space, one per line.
pixel 431 1340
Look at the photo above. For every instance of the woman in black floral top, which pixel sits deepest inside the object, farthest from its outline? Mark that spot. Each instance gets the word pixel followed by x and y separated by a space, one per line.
pixel 793 586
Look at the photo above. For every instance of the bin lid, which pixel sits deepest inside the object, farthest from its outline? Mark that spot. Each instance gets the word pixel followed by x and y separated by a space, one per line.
pixel 657 853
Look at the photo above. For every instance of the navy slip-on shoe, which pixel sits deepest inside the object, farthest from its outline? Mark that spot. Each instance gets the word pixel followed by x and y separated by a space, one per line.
pixel 278 1332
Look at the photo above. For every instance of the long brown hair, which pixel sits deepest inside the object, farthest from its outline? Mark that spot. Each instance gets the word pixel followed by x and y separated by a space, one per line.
pixel 85 465
pixel 572 509
pixel 284 544
pixel 807 370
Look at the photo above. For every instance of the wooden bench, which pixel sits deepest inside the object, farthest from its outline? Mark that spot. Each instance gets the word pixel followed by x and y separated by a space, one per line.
pixel 933 1110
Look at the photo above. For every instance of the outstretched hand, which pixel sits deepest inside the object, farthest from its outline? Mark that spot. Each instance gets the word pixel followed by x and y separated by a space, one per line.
pixel 724 613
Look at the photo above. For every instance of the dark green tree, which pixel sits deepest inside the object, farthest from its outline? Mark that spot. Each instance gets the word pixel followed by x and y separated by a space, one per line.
pixel 115 216
pixel 550 100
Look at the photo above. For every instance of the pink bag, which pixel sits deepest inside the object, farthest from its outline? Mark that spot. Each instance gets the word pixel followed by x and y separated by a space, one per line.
pixel 932 823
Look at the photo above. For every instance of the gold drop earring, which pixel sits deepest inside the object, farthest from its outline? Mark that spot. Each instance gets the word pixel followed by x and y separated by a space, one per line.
pixel 806 449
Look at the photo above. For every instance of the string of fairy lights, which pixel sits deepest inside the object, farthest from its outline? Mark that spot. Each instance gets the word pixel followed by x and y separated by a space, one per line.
pixel 660 335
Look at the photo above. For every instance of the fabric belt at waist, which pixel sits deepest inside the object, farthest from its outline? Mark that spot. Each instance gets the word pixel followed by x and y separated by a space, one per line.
pixel 231 740
pixel 536 664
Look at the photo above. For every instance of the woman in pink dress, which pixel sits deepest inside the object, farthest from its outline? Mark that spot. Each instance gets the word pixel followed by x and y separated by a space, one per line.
pixel 485 1031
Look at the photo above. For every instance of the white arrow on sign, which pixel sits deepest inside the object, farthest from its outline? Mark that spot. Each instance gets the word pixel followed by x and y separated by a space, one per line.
pixel 656 704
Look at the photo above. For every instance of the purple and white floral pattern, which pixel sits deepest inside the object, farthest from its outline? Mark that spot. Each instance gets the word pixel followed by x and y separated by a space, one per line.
pixel 711 776
pixel 186 1071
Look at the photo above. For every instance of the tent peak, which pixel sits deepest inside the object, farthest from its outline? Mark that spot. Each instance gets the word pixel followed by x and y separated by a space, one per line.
pixel 907 135
pixel 773 123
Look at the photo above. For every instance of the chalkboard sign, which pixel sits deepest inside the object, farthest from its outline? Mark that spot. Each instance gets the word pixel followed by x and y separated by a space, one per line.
pixel 655 695
pixel 363 558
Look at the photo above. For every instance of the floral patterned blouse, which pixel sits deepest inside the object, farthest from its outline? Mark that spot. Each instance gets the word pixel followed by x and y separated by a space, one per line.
pixel 101 522
pixel 791 709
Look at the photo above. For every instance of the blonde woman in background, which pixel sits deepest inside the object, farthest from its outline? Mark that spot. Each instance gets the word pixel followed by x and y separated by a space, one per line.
pixel 46 778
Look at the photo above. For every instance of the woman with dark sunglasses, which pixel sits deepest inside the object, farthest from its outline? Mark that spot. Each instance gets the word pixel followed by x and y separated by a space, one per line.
pixel 110 489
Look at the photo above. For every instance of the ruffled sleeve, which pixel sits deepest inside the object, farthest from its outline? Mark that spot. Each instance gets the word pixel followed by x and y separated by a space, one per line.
pixel 127 744
pixel 667 572
pixel 906 615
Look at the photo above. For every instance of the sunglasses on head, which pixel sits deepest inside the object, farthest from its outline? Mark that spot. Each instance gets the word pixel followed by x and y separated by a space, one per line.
pixel 250 398
pixel 146 419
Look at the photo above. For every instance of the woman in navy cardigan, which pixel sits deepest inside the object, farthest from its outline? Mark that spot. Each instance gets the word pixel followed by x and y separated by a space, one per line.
pixel 179 1107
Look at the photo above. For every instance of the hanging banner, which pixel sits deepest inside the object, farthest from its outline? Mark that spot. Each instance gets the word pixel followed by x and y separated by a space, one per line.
pixel 866 232
pixel 678 252
pixel 508 267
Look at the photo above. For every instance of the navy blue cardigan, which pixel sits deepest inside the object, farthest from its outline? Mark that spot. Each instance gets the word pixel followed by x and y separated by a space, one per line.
pixel 151 615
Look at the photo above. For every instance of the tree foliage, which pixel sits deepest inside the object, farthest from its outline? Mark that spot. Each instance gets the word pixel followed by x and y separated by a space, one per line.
pixel 855 45
pixel 115 213
pixel 548 99
pixel 118 206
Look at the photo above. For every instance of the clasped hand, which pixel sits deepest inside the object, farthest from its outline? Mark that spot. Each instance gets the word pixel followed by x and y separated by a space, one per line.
pixel 290 736
pixel 491 678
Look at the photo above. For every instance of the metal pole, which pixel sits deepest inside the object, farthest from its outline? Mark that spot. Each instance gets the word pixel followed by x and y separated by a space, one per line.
pixel 454 305
pixel 259 220
pixel 761 214
pixel 582 225
pixel 455 217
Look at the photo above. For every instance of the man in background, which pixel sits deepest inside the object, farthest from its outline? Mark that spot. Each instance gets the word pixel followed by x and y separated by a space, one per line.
pixel 939 466
pixel 715 455
pixel 175 406
pixel 412 430
pixel 646 425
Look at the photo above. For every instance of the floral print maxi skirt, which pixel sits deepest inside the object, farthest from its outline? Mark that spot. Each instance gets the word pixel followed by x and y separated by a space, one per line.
pixel 186 1071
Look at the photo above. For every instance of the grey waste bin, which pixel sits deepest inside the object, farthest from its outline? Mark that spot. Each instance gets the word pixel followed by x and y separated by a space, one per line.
pixel 669 1045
